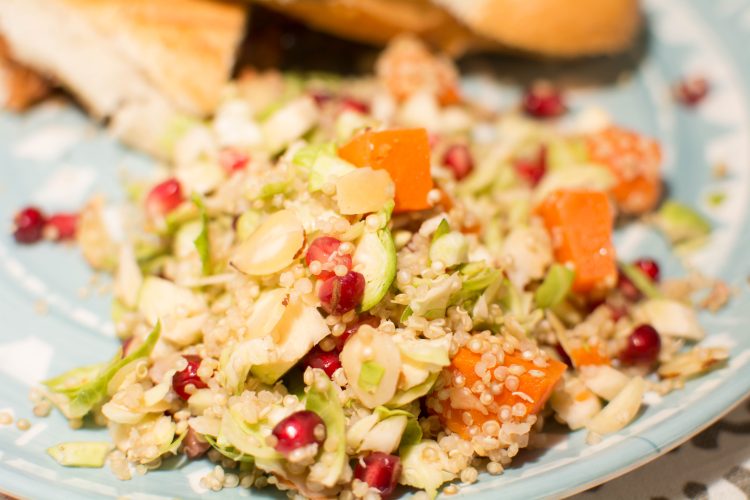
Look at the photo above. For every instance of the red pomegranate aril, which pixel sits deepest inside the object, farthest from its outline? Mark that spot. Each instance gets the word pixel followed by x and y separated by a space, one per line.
pixel 327 361
pixel 380 471
pixel 164 197
pixel 352 329
pixel 320 97
pixel 352 104
pixel 458 160
pixel 28 225
pixel 627 288
pixel 187 376
pixel 691 90
pixel 62 226
pixel 325 250
pixel 649 267
pixel 299 429
pixel 643 346
pixel 543 100
pixel 340 294
pixel 532 169
pixel 233 161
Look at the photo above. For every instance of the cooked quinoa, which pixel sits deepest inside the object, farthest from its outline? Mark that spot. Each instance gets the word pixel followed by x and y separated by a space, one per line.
pixel 336 286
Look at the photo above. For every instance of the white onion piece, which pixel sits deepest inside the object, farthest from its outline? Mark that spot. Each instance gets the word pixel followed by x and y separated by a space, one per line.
pixel 621 410
pixel 369 344
pixel 603 380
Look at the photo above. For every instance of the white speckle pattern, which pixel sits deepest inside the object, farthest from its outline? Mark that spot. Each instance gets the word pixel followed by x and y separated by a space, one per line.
pixel 66 188
pixel 30 434
pixel 49 143
pixel 31 468
pixel 84 484
pixel 26 361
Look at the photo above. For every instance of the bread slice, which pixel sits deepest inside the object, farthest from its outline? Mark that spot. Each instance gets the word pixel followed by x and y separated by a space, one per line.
pixel 557 28
pixel 137 63
pixel 378 21
pixel 20 86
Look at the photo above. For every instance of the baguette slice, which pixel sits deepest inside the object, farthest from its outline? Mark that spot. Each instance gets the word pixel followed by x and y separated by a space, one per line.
pixel 555 28
pixel 138 63
pixel 20 87
pixel 378 21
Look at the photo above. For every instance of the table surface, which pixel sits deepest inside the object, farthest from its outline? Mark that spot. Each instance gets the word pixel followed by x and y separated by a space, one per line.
pixel 714 465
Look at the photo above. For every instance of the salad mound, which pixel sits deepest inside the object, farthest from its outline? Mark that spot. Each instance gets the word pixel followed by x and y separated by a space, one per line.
pixel 337 286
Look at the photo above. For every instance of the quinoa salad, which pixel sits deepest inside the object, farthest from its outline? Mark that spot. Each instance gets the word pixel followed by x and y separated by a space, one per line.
pixel 341 285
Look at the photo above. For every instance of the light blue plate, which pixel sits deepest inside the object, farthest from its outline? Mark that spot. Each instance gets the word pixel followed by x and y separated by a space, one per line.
pixel 55 158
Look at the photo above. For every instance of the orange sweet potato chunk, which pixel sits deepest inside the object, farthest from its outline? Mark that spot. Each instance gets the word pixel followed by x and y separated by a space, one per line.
pixel 404 153
pixel 580 225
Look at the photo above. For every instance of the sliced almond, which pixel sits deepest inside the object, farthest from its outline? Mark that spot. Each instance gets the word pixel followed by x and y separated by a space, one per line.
pixel 272 246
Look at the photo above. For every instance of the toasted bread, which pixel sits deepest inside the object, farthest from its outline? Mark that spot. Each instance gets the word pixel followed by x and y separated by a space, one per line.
pixel 556 28
pixel 20 86
pixel 552 28
pixel 136 62
pixel 377 21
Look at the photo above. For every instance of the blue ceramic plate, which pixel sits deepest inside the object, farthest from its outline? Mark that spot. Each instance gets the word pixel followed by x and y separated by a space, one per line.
pixel 54 157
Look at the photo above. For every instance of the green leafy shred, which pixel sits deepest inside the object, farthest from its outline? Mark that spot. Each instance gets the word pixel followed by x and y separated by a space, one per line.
pixel 86 387
pixel 681 224
pixel 80 454
pixel 642 282
pixel 325 402
pixel 476 277
pixel 201 242
pixel 370 376
pixel 442 229
pixel 555 286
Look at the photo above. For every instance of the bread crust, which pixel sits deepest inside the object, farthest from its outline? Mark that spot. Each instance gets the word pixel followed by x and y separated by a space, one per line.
pixel 557 28
pixel 378 21
pixel 185 47
pixel 22 87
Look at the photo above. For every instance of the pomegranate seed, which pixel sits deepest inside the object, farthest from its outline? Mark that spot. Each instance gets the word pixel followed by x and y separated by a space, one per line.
pixel 233 161
pixel 543 100
pixel 649 267
pixel 29 225
pixel 380 471
pixel 691 90
pixel 299 429
pixel 327 361
pixel 627 288
pixel 320 97
pixel 352 104
pixel 324 250
pixel 617 311
pixel 189 375
pixel 62 226
pixel 458 160
pixel 164 197
pixel 352 329
pixel 340 294
pixel 532 169
pixel 643 346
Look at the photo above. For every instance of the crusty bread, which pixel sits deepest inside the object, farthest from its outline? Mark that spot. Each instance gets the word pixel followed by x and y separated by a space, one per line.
pixel 20 86
pixel 557 28
pixel 136 62
pixel 553 28
pixel 377 21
